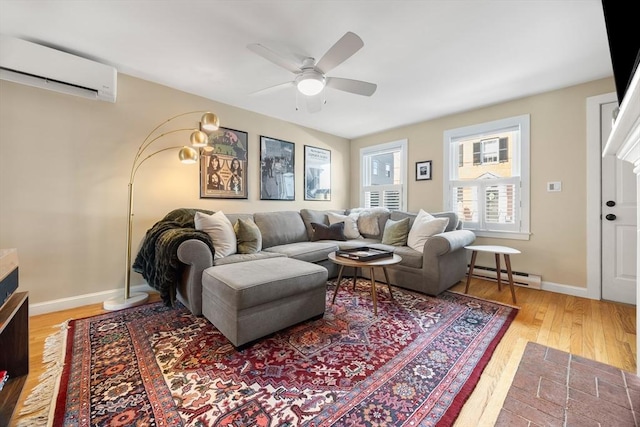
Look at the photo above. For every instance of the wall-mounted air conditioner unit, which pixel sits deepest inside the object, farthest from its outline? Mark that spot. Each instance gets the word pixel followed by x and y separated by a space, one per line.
pixel 40 66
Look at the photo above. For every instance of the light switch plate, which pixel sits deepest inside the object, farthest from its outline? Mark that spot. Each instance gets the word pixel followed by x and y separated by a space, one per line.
pixel 554 186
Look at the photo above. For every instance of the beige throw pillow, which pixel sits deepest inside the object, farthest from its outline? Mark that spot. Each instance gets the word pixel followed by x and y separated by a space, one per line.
pixel 396 232
pixel 248 235
pixel 425 226
pixel 220 229
pixel 350 224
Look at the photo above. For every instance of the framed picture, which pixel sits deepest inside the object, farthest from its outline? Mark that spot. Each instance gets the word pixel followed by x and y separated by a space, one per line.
pixel 223 165
pixel 423 170
pixel 317 173
pixel 277 167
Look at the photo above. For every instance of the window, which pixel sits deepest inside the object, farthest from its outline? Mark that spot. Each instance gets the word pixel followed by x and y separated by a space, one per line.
pixel 387 189
pixel 486 177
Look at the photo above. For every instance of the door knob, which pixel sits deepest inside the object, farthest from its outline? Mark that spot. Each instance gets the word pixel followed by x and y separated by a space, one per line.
pixel 611 203
pixel 610 217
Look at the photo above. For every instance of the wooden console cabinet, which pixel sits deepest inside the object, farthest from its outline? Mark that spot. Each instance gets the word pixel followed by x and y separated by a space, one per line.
pixel 14 351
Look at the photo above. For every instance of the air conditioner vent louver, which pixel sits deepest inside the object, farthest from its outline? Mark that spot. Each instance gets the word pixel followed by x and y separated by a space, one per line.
pixel 40 66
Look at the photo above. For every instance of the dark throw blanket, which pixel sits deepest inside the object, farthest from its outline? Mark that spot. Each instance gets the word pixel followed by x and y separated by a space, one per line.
pixel 157 261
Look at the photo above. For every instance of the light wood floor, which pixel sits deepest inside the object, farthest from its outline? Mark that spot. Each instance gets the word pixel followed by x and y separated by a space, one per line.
pixel 597 330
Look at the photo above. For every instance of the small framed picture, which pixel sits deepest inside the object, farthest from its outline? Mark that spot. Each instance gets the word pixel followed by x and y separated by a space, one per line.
pixel 423 170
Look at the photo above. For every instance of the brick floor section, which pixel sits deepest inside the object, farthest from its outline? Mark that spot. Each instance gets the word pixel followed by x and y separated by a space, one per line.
pixel 554 388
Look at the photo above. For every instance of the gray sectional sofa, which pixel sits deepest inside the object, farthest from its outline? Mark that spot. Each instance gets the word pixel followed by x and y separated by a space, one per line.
pixel 441 264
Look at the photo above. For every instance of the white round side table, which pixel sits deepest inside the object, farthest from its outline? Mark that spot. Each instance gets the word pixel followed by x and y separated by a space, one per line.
pixel 505 251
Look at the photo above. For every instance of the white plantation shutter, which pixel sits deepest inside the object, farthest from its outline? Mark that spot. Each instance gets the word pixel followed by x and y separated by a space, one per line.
pixel 388 196
pixel 491 204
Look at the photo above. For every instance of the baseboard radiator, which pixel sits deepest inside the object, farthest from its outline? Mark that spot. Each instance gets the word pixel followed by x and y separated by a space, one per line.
pixel 521 279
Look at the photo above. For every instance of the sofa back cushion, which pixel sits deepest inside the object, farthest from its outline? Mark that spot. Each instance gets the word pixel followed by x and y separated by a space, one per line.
pixel 454 223
pixel 317 216
pixel 280 228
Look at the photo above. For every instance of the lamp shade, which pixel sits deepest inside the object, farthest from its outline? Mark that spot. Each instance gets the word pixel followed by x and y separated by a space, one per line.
pixel 199 139
pixel 209 122
pixel 188 155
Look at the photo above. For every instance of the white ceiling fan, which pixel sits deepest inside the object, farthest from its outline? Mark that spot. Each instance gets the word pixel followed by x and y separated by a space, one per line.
pixel 311 76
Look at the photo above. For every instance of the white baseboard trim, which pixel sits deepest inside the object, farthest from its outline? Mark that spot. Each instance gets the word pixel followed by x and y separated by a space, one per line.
pixel 566 289
pixel 81 300
pixel 98 297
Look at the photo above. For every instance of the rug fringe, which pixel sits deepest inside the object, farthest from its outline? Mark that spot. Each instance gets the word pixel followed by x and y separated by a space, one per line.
pixel 38 406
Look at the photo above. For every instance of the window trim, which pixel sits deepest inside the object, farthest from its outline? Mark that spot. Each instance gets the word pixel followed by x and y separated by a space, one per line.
pixel 401 144
pixel 521 157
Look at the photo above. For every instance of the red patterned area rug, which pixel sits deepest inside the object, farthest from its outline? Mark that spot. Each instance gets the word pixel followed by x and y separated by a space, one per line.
pixel 414 364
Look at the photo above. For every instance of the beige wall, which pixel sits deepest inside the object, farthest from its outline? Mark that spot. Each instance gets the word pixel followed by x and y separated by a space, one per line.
pixel 64 167
pixel 557 247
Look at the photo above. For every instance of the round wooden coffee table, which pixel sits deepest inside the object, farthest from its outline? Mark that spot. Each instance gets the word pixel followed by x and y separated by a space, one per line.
pixel 380 262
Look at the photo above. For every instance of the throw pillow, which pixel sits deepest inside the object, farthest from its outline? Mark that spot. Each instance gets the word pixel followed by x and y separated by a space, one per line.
pixel 328 232
pixel 396 232
pixel 369 219
pixel 350 224
pixel 424 226
pixel 248 235
pixel 220 229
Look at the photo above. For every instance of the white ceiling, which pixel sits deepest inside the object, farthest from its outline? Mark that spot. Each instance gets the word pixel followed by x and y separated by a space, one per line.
pixel 429 58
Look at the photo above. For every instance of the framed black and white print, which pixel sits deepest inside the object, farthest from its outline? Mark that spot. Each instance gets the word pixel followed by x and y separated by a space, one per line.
pixel 223 165
pixel 317 173
pixel 423 170
pixel 277 167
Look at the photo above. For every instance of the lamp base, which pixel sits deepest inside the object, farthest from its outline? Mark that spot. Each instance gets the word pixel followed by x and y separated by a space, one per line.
pixel 120 303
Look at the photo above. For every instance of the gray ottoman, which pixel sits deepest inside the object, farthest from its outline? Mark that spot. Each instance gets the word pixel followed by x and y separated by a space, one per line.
pixel 249 300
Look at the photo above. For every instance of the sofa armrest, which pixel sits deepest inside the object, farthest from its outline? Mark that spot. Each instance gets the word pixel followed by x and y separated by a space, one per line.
pixel 197 256
pixel 449 241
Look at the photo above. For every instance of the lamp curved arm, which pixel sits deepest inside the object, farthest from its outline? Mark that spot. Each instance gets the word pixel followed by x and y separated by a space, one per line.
pixel 137 166
pixel 145 145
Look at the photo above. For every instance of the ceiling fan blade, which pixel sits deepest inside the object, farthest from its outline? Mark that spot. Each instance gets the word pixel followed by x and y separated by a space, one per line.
pixel 342 50
pixel 274 57
pixel 352 86
pixel 314 103
pixel 272 89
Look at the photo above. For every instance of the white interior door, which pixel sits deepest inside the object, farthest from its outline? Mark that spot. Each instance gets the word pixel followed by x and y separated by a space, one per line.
pixel 618 210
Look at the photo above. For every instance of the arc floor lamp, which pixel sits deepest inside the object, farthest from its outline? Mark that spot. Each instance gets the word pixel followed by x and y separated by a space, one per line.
pixel 209 122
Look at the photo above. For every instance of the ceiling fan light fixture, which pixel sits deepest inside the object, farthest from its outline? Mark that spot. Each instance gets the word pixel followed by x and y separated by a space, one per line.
pixel 310 84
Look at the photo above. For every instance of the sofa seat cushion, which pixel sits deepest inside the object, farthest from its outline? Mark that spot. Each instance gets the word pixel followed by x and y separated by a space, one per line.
pixel 306 251
pixel 410 257
pixel 235 258
pixel 259 282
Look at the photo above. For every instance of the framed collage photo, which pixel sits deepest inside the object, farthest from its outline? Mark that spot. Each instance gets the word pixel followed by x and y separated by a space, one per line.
pixel 317 173
pixel 423 170
pixel 223 165
pixel 277 166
